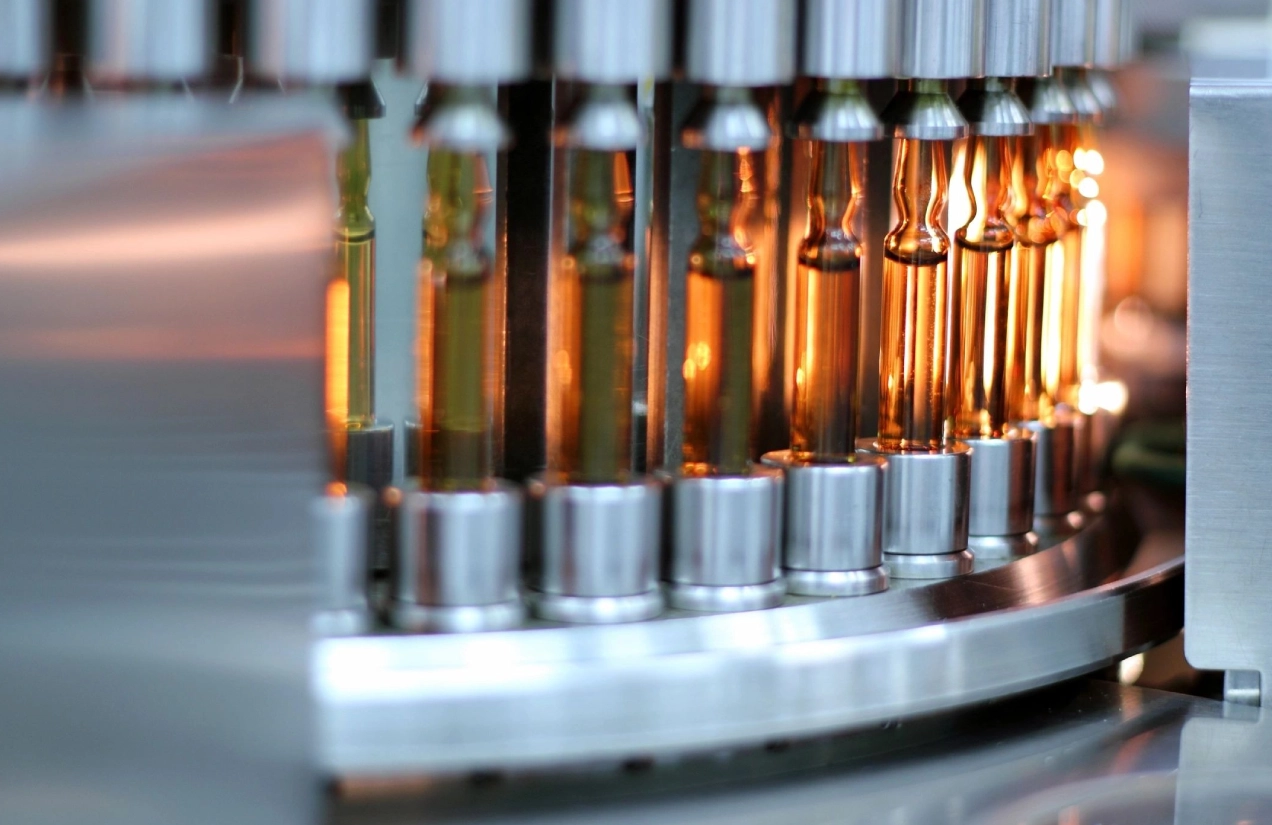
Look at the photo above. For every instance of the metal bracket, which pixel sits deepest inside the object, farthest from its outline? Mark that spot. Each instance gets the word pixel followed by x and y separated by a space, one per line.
pixel 1242 687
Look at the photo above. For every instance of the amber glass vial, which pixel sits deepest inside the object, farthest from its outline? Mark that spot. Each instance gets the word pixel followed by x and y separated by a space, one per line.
pixel 592 303
pixel 458 326
pixel 719 311
pixel 1061 371
pixel 1038 223
pixel 988 340
pixel 350 299
pixel 827 306
pixel 912 335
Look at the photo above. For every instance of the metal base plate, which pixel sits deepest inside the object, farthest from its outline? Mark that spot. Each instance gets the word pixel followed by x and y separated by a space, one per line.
pixel 705 598
pixel 1062 524
pixel 1003 547
pixel 836 582
pixel 553 695
pixel 554 607
pixel 935 566
pixel 457 619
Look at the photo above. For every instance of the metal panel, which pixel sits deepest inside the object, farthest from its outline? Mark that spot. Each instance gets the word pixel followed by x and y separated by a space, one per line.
pixel 1229 512
pixel 162 272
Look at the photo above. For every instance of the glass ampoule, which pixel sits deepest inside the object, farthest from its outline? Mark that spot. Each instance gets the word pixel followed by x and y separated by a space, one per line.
pixel 590 374
pixel 1038 224
pixel 912 363
pixel 988 340
pixel 459 331
pixel 719 312
pixel 1090 217
pixel 828 293
pixel 1061 369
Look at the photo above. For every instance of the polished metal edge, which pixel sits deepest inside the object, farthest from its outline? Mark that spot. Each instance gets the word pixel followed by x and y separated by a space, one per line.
pixel 701 682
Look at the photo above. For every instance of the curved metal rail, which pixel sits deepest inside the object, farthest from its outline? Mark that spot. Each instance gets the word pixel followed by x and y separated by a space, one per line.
pixel 394 704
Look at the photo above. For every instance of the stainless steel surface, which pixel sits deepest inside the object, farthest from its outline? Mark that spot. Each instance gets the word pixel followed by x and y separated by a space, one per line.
pixel 24 37
pixel 340 528
pixel 705 682
pixel 1002 485
pixel 841 118
pixel 593 550
pixel 131 40
pixel 1046 100
pixel 925 507
pixel 469 42
pixel 1055 467
pixel 312 41
pixel 1227 506
pixel 992 108
pixel 1082 94
pixel 1243 687
pixel 992 548
pixel 1110 18
pixel 833 525
pixel 606 124
pixel 924 115
pixel 459 560
pixel 940 39
pixel 929 566
pixel 613 41
pixel 162 276
pixel 727 125
pixel 1072 32
pixel 725 540
pixel 740 42
pixel 1017 39
pixel 471 124
pixel 850 39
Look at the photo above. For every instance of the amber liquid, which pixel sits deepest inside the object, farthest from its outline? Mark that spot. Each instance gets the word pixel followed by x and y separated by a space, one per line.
pixel 825 412
pixel 991 342
pixel 591 372
pixel 912 353
pixel 456 382
pixel 1028 399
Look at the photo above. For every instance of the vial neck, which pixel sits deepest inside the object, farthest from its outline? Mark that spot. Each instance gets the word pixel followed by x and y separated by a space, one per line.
pixel 919 190
pixel 353 170
pixel 833 191
pixel 726 191
pixel 600 195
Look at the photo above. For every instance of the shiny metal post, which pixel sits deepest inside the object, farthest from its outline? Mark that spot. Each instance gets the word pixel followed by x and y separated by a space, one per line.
pixel 312 41
pixel 341 524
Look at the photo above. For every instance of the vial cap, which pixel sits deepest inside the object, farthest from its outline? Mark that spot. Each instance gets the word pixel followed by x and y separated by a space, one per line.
pixel 149 39
pixel 613 41
pixel 1017 38
pixel 940 39
pixel 850 39
pixel 741 42
pixel 312 41
pixel 24 37
pixel 1072 32
pixel 470 42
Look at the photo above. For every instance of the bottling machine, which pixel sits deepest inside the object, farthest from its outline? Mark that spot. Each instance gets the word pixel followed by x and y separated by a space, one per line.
pixel 423 410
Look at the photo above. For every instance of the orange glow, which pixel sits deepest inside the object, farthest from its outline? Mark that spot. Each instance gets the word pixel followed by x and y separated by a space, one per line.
pixel 337 352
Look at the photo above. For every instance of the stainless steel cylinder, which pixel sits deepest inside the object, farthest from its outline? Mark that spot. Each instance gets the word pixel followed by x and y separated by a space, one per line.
pixel 740 42
pixel 725 536
pixel 341 527
pixel 1000 506
pixel 833 525
pixel 24 37
pixel 1055 473
pixel 992 108
pixel 940 39
pixel 369 462
pixel 1110 17
pixel 594 550
pixel 1083 96
pixel 1017 38
pixel 469 42
pixel 138 40
pixel 840 118
pixel 925 512
pixel 923 114
pixel 458 560
pixel 846 39
pixel 312 41
pixel 1073 32
pixel 613 41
